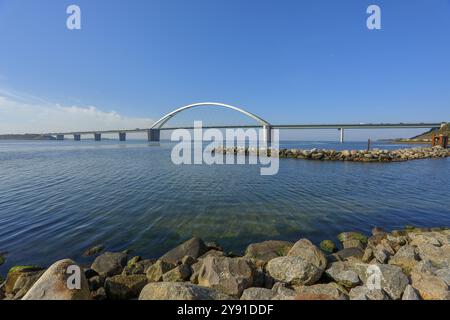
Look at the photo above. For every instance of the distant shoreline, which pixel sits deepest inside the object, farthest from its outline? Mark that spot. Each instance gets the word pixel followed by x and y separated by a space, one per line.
pixel 26 137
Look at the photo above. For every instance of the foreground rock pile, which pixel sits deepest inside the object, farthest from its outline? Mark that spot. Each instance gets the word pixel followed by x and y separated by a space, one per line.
pixel 374 155
pixel 410 264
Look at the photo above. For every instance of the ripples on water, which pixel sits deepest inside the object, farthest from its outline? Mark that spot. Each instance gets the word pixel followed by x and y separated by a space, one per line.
pixel 58 198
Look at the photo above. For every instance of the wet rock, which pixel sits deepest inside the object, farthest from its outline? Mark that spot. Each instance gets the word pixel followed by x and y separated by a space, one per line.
pixel 391 279
pixel 410 293
pixel 430 287
pixel 328 246
pixel 406 258
pixel 188 260
pixel 282 292
pixel 139 267
pixel 94 250
pixel 24 283
pixel 353 244
pixel 438 256
pixel 15 273
pixel 179 291
pixel 96 282
pixel 178 274
pixel 257 294
pixel 89 273
pixel 2 259
pixel 228 275
pixel 329 291
pixel 364 293
pixel 375 240
pixel 52 285
pixel 294 270
pixel 342 274
pixel 378 230
pixel 212 253
pixel 432 238
pixel 99 294
pixel 194 247
pixel 156 271
pixel 368 255
pixel 346 236
pixel 110 263
pixel 267 250
pixel 383 252
pixel 2 290
pixel 308 252
pixel 444 274
pixel 132 262
pixel 349 254
pixel 195 268
pixel 211 245
pixel 123 287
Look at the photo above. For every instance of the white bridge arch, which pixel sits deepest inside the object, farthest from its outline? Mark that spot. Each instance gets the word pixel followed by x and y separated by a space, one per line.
pixel 161 122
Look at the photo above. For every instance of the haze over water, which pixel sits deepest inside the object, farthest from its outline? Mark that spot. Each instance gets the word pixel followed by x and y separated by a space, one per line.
pixel 59 198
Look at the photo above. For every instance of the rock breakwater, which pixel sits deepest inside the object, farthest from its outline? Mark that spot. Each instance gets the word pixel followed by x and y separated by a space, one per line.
pixel 375 155
pixel 409 264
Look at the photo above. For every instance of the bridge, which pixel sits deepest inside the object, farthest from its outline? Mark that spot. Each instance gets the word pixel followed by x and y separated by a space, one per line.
pixel 154 131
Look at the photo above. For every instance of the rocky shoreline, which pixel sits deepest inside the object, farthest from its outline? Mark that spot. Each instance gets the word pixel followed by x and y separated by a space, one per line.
pixel 374 155
pixel 409 264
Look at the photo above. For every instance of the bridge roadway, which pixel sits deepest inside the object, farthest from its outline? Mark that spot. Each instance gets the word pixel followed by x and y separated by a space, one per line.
pixel 154 134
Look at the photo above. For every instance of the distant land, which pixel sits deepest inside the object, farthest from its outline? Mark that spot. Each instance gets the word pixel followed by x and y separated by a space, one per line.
pixel 26 137
pixel 422 138
pixel 32 137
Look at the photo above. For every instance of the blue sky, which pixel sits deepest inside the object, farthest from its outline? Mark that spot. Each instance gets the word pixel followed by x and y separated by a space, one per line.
pixel 287 61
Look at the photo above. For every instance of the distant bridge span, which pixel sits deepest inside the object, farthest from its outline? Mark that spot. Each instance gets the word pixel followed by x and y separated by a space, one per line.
pixel 154 130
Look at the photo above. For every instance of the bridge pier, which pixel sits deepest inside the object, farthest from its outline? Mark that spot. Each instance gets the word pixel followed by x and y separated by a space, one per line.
pixel 122 136
pixel 154 135
pixel 342 135
pixel 97 136
pixel 77 137
pixel 60 137
pixel 267 135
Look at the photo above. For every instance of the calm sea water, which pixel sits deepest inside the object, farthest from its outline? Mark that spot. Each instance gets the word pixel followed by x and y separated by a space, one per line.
pixel 59 198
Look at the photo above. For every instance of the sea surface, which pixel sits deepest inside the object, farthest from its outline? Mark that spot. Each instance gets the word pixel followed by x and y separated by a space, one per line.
pixel 58 198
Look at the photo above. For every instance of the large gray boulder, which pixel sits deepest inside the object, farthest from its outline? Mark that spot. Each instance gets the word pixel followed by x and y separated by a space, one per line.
pixel 405 258
pixel 343 274
pixel 110 263
pixel 282 292
pixel 24 283
pixel 123 287
pixel 392 279
pixel 364 293
pixel 294 270
pixel 438 256
pixel 15 273
pixel 179 291
pixel 328 291
pixel 194 247
pixel 257 294
pixel 178 274
pixel 308 252
pixel 429 286
pixel 267 250
pixel 228 275
pixel 52 285
pixel 410 293
pixel 156 271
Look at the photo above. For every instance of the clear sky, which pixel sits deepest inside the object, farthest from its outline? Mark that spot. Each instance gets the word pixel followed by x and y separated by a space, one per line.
pixel 311 61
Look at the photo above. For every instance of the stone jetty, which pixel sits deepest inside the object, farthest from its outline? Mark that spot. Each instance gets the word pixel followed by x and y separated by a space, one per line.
pixel 374 155
pixel 409 264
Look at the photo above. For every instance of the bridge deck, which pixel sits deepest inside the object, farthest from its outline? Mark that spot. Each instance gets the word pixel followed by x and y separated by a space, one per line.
pixel 279 126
